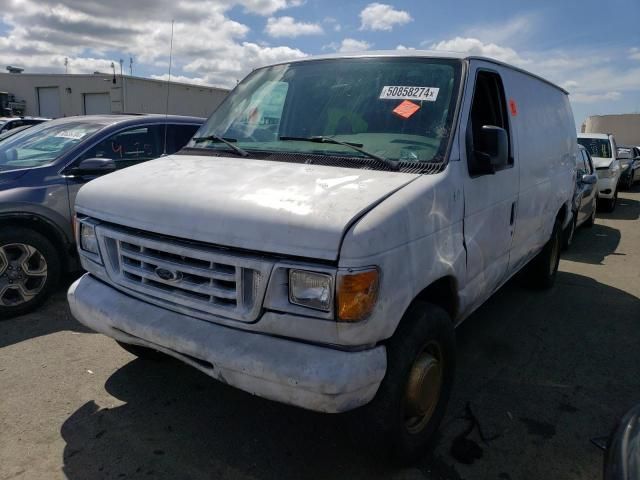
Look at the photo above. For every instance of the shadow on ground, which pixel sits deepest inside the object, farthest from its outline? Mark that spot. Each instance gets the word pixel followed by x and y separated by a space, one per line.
pixel 593 245
pixel 544 372
pixel 626 209
pixel 49 318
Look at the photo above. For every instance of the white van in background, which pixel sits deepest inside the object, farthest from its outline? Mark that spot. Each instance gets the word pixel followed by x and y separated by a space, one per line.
pixel 321 236
pixel 603 151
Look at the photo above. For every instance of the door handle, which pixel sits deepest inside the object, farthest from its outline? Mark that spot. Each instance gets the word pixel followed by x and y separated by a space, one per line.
pixel 513 213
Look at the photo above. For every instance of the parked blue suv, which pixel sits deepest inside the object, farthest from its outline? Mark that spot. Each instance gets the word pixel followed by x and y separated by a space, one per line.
pixel 42 169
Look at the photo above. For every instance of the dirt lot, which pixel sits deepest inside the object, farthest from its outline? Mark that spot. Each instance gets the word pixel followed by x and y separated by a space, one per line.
pixel 543 372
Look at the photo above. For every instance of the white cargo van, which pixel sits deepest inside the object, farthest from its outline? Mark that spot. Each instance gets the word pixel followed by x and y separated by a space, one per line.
pixel 323 233
pixel 604 153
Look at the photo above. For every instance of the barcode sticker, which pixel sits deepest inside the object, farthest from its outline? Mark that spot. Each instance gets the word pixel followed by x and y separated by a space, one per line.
pixel 397 92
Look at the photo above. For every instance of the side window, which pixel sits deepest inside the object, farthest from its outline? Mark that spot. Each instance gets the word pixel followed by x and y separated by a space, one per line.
pixel 178 136
pixel 489 108
pixel 581 164
pixel 15 124
pixel 130 146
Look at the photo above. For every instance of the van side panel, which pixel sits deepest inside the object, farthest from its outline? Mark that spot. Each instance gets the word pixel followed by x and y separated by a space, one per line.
pixel 546 133
pixel 415 237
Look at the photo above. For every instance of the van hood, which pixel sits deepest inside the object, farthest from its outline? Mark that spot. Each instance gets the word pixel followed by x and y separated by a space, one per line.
pixel 276 207
pixel 600 162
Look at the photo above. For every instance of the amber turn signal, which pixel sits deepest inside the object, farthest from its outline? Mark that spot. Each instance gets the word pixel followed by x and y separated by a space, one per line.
pixel 357 294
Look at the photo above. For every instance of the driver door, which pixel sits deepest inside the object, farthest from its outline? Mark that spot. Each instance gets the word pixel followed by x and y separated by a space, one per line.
pixel 490 198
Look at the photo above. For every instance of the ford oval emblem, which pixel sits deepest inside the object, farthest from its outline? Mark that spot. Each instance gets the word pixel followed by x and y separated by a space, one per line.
pixel 167 275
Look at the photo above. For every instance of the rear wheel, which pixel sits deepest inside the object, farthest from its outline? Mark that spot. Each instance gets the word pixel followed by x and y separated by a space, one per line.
pixel 402 420
pixel 29 269
pixel 543 268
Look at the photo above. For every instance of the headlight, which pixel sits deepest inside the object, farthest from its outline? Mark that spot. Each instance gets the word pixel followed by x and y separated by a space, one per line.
pixel 88 240
pixel 357 294
pixel 311 289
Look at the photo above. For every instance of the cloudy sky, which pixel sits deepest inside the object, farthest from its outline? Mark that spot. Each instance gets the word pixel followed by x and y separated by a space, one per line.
pixel 590 47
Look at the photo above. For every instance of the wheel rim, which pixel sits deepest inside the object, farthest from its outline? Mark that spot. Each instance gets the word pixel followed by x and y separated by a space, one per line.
pixel 423 388
pixel 23 273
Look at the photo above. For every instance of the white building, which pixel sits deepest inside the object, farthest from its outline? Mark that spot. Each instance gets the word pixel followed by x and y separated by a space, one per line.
pixel 63 95
pixel 625 127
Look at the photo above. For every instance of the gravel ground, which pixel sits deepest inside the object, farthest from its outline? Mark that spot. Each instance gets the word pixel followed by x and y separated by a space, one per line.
pixel 542 373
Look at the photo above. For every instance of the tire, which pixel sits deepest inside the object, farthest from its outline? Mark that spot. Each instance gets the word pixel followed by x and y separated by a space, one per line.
pixel 543 268
pixel 30 268
pixel 422 350
pixel 592 218
pixel 569 233
pixel 142 352
pixel 629 185
pixel 610 203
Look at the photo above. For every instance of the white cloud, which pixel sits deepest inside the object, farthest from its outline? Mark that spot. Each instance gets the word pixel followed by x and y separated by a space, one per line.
pixel 267 7
pixel 574 71
pixel 595 97
pixel 634 53
pixel 288 27
pixel 353 45
pixel 508 31
pixel 402 47
pixel 380 16
pixel 473 46
pixel 207 44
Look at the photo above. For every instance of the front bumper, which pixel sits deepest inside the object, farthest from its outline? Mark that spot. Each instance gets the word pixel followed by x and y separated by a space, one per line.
pixel 308 376
pixel 607 186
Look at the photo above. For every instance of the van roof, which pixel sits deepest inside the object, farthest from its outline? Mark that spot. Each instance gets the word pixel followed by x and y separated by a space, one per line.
pixel 420 53
pixel 604 136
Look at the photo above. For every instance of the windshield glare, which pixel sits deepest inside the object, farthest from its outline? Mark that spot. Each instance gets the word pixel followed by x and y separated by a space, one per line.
pixel 397 108
pixel 597 147
pixel 42 144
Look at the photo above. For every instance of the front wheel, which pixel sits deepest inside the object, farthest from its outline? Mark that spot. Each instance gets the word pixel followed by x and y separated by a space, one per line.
pixel 402 420
pixel 29 269
pixel 610 204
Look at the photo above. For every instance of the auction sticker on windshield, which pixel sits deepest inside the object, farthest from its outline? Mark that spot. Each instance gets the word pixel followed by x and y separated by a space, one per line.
pixel 72 134
pixel 398 92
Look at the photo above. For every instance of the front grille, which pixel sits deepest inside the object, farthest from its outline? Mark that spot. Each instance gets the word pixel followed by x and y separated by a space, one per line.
pixel 182 276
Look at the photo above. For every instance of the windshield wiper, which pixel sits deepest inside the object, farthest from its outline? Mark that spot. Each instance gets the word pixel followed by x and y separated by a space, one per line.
pixel 226 141
pixel 354 146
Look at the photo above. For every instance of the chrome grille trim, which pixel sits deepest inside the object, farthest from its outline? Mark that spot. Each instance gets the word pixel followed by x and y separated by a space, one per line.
pixel 207 280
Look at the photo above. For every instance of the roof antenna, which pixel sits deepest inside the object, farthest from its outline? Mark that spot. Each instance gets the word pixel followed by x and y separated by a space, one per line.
pixel 166 111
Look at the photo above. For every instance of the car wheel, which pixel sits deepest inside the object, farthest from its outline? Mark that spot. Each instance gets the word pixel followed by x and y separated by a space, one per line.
pixel 569 233
pixel 142 352
pixel 29 269
pixel 611 203
pixel 543 268
pixel 401 422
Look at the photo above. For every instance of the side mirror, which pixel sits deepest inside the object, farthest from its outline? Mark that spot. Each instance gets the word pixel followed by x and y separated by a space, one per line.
pixel 589 179
pixel 492 150
pixel 94 166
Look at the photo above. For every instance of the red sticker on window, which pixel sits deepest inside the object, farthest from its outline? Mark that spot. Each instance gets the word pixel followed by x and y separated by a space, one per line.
pixel 406 109
pixel 514 107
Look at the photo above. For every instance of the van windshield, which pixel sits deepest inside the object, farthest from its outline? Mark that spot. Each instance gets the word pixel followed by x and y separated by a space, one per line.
pixel 597 147
pixel 400 109
pixel 43 143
